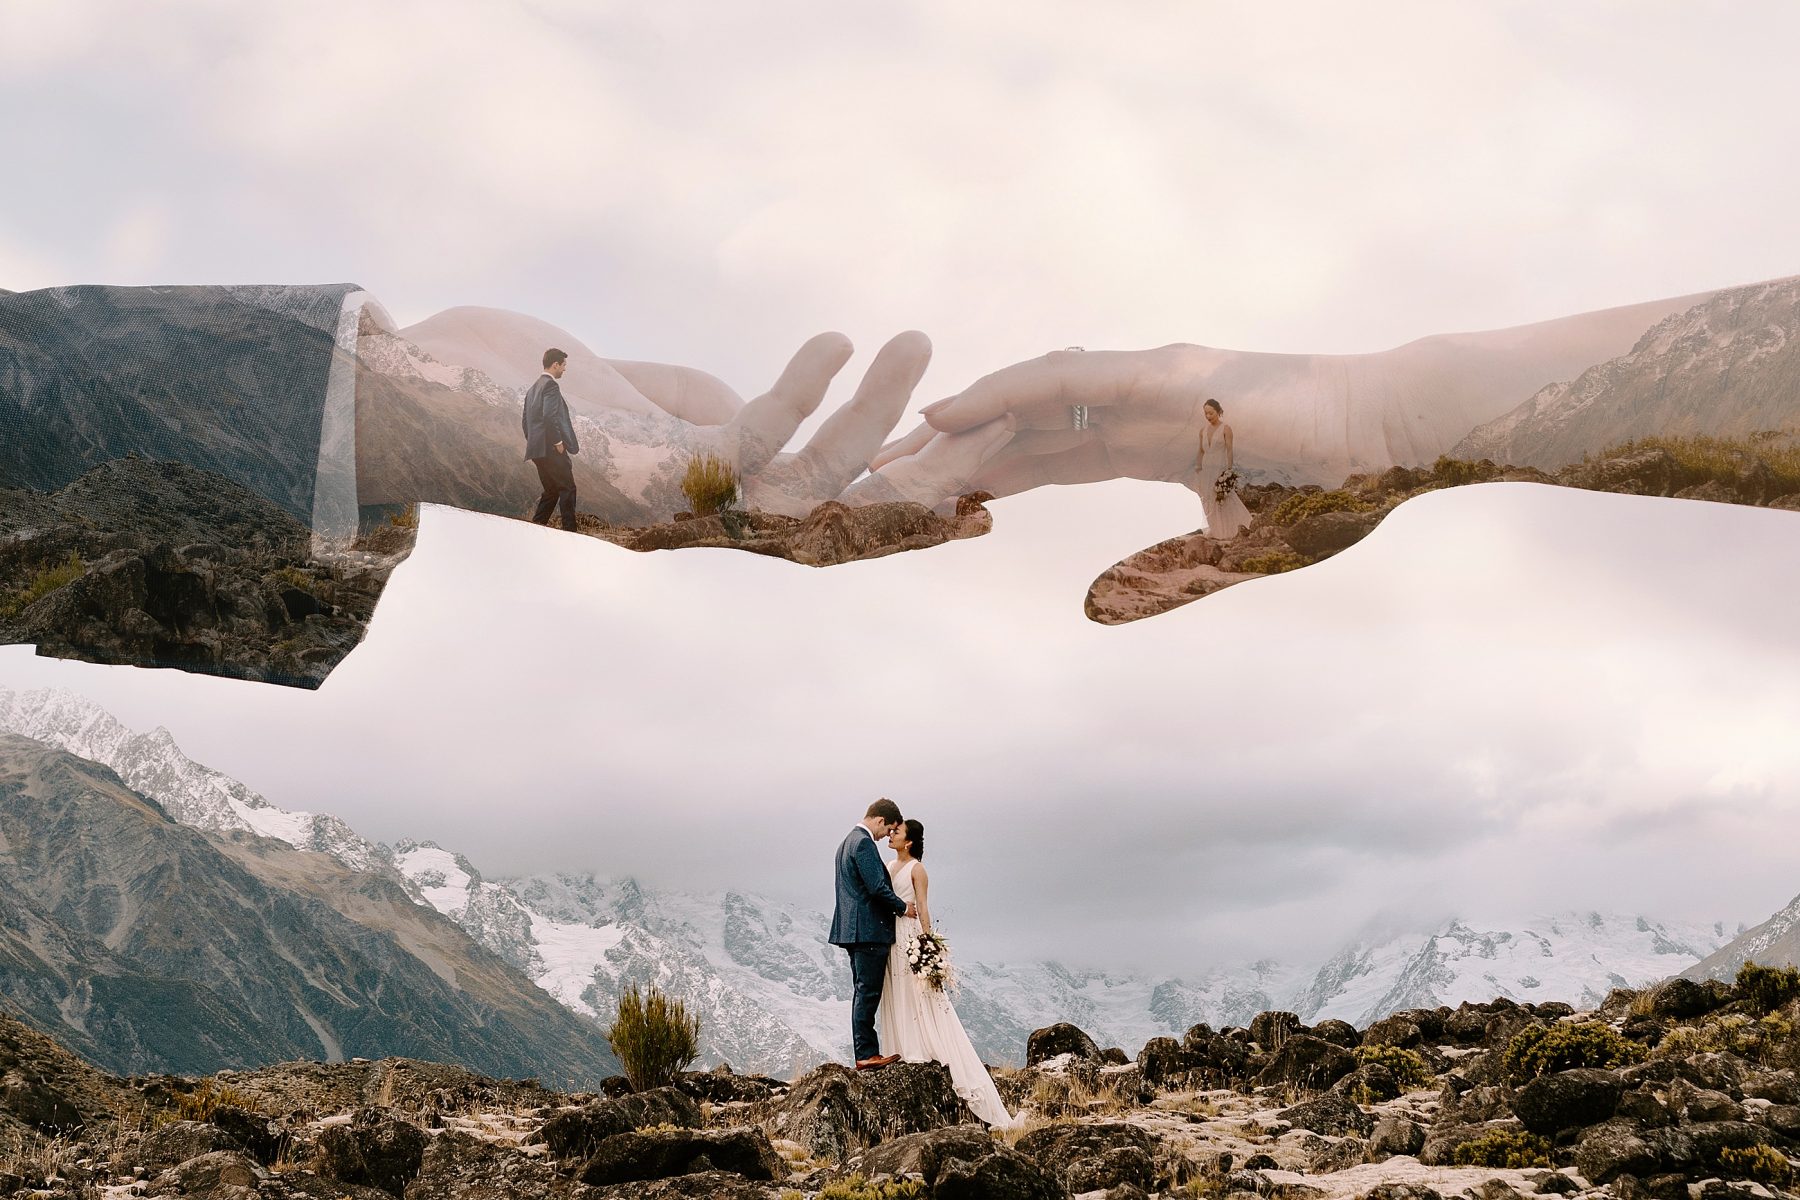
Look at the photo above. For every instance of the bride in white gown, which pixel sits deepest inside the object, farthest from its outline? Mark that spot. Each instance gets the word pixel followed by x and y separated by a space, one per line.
pixel 915 1022
pixel 1224 518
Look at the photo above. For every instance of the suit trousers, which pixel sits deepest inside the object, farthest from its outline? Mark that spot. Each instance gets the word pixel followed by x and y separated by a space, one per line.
pixel 868 970
pixel 557 474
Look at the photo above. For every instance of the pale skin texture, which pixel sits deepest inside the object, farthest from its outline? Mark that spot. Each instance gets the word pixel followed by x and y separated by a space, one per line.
pixel 646 421
pixel 902 846
pixel 1311 418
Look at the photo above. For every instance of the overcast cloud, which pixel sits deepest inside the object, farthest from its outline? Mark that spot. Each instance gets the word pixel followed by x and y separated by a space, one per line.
pixel 1508 698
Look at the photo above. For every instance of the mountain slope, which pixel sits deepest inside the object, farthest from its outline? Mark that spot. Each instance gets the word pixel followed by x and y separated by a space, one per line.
pixel 160 946
pixel 1774 943
pixel 1728 366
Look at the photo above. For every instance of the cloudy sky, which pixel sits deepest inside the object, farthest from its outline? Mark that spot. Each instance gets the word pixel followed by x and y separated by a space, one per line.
pixel 1509 697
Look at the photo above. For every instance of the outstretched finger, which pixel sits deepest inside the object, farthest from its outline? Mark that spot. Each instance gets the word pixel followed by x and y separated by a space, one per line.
pixel 1038 387
pixel 900 447
pixel 940 471
pixel 842 447
pixel 1008 474
pixel 763 426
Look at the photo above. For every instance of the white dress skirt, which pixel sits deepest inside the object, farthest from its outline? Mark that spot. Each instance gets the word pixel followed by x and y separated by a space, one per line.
pixel 919 1024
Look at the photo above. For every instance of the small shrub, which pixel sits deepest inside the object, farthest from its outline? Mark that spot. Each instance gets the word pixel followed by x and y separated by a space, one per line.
pixel 1504 1148
pixel 204 1102
pixel 1544 1050
pixel 1455 472
pixel 1766 989
pixel 856 1187
pixel 710 485
pixel 406 518
pixel 1274 562
pixel 653 1036
pixel 1765 1164
pixel 1409 1068
pixel 1703 458
pixel 42 584
pixel 1301 505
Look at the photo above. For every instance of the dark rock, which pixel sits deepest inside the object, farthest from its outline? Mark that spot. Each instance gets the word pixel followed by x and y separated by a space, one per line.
pixel 1557 1184
pixel 1644 1108
pixel 574 1136
pixel 1092 1157
pixel 1062 1038
pixel 1467 1025
pixel 1651 472
pixel 1324 534
pixel 702 1185
pixel 1339 1155
pixel 1708 1138
pixel 460 1166
pixel 834 1111
pixel 1307 1062
pixel 254 1132
pixel 1720 1072
pixel 1261 1162
pixel 1552 1009
pixel 1567 1100
pixel 220 1173
pixel 1475 1105
pixel 1338 1033
pixel 1003 1175
pixel 925 1154
pixel 658 1154
pixel 1396 1030
pixel 1370 1083
pixel 1271 1029
pixel 1680 999
pixel 1162 1060
pixel 1780 1087
pixel 1669 1186
pixel 376 1149
pixel 179 1141
pixel 1246 1180
pixel 1114 1056
pixel 1400 1191
pixel 1328 1114
pixel 1495 1189
pixel 1442 1139
pixel 1705 1104
pixel 1395 1134
pixel 1614 1148
pixel 1783 1119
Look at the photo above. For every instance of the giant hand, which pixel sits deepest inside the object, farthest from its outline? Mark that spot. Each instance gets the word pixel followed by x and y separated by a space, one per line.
pixel 1298 418
pixel 641 423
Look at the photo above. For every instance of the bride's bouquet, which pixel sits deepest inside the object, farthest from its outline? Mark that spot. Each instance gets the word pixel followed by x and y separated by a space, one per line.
pixel 1227 483
pixel 928 955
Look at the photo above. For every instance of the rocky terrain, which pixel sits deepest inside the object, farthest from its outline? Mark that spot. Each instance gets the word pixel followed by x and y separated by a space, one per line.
pixel 1727 367
pixel 1685 1091
pixel 163 564
pixel 1294 527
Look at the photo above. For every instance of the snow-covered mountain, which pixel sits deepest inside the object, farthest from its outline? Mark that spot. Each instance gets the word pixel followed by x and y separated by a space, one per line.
pixel 153 765
pixel 1775 942
pixel 773 996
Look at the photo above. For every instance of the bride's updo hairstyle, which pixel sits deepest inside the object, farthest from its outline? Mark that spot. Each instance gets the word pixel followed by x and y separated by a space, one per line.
pixel 915 836
pixel 1215 406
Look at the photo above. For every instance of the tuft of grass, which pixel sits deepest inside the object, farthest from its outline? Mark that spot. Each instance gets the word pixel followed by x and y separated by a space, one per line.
pixel 1409 1068
pixel 1766 1042
pixel 1544 1050
pixel 710 485
pixel 406 518
pixel 654 1036
pixel 1766 989
pixel 204 1102
pixel 1504 1148
pixel 41 584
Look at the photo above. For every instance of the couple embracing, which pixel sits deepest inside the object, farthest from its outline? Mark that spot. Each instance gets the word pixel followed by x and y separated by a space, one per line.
pixel 877 905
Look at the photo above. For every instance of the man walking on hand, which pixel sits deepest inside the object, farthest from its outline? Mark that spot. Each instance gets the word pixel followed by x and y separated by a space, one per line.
pixel 550 440
pixel 863 924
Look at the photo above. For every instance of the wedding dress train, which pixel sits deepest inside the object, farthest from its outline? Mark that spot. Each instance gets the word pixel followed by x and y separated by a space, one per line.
pixel 919 1024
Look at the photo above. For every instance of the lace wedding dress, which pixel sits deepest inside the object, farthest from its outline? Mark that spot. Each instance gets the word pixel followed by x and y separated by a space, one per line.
pixel 919 1025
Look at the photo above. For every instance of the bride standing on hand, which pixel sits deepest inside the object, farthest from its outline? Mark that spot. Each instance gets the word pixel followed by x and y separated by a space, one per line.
pixel 1225 517
pixel 916 1022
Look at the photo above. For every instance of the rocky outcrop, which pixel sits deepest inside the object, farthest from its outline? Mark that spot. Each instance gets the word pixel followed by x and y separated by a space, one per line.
pixel 834 1111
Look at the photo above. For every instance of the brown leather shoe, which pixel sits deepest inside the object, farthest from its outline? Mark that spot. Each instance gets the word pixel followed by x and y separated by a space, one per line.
pixel 869 1064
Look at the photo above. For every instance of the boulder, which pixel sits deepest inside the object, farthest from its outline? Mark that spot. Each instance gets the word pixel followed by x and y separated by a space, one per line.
pixel 1061 1038
pixel 376 1150
pixel 964 1162
pixel 1564 1100
pixel 1092 1157
pixel 1370 1083
pixel 1328 1114
pixel 1271 1029
pixel 1394 1134
pixel 221 1173
pixel 179 1141
pixel 1338 1033
pixel 1324 534
pixel 1163 1060
pixel 702 1185
pixel 1443 1138
pixel 1307 1062
pixel 1401 1191
pixel 573 1136
pixel 460 1166
pixel 661 1153
pixel 1679 999
pixel 1397 1030
pixel 1614 1148
pixel 834 1111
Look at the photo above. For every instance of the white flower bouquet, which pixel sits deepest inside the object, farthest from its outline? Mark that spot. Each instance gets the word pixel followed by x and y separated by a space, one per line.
pixel 928 957
pixel 1228 482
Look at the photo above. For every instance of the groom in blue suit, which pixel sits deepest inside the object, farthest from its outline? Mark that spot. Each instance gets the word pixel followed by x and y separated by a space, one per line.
pixel 863 924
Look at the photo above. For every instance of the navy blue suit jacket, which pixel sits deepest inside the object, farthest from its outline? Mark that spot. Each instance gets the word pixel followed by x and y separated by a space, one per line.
pixel 546 419
pixel 866 903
